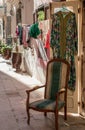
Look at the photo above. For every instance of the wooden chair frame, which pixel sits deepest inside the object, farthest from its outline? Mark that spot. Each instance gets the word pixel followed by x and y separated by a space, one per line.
pixel 64 91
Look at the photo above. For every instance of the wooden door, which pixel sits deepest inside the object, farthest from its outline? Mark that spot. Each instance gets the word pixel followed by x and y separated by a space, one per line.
pixel 74 98
pixel 83 62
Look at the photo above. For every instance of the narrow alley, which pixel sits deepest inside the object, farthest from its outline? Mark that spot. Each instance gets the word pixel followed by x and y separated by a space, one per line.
pixel 33 34
pixel 13 104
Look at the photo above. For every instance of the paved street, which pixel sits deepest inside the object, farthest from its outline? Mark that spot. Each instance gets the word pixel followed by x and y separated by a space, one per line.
pixel 13 99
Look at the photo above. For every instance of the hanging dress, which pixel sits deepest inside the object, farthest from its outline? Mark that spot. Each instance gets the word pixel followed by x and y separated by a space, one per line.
pixel 64 41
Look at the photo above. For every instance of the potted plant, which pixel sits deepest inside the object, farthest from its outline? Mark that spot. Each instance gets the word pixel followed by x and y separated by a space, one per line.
pixel 6 51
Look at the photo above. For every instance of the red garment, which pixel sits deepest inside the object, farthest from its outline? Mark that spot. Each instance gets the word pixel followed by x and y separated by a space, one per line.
pixel 17 32
pixel 47 42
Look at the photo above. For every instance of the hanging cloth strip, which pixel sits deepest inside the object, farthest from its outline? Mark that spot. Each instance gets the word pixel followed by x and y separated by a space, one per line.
pixel 42 50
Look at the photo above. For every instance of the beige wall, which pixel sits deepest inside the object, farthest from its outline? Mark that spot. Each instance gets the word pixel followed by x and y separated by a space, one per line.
pixel 13 25
pixel 27 12
pixel 40 2
pixel 1 28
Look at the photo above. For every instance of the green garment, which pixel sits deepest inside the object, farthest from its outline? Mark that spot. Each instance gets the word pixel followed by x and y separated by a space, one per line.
pixel 64 41
pixel 34 30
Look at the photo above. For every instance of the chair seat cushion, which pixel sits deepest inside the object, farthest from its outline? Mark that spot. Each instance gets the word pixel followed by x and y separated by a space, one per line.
pixel 46 104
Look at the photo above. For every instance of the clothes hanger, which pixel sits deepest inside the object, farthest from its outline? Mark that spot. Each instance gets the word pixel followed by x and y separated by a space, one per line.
pixel 63 8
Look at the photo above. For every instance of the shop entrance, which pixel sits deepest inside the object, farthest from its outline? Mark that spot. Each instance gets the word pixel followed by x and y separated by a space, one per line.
pixel 74 97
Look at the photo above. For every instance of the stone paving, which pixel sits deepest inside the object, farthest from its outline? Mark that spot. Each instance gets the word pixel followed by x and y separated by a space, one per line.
pixel 13 99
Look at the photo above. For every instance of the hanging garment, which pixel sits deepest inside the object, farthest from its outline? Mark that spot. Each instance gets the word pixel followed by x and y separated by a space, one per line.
pixel 20 31
pixel 17 32
pixel 64 41
pixel 24 35
pixel 47 44
pixel 41 53
pixel 27 34
pixel 34 30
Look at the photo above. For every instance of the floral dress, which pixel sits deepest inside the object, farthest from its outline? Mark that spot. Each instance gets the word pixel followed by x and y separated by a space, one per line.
pixel 64 41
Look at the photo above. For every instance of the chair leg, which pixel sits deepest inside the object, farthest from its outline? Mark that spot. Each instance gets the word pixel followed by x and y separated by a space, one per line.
pixel 45 113
pixel 28 121
pixel 56 120
pixel 28 113
pixel 65 112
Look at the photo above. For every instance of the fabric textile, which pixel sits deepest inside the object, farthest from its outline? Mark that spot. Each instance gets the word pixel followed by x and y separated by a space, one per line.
pixel 64 41
pixel 34 30
pixel 56 79
pixel 46 103
pixel 20 31
pixel 47 44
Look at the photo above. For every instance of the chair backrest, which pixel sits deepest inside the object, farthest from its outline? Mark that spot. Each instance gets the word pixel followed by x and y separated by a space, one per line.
pixel 57 77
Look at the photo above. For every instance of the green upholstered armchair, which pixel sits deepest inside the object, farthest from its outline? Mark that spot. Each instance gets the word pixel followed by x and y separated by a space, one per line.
pixel 57 77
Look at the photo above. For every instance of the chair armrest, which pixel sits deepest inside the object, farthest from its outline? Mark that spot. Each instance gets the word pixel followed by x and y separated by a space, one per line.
pixel 31 90
pixel 62 90
pixel 34 88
